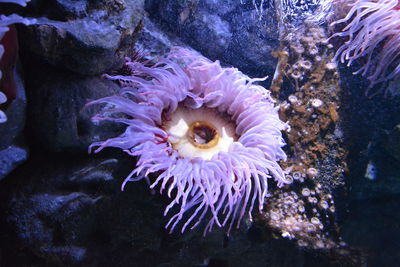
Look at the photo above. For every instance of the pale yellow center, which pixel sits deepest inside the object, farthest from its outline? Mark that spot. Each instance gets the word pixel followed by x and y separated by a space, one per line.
pixel 199 132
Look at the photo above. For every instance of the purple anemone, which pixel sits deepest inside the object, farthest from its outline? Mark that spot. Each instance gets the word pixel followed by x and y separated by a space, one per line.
pixel 373 32
pixel 211 136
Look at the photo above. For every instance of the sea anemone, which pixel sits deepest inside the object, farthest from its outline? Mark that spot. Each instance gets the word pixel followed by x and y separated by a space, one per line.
pixel 211 136
pixel 373 32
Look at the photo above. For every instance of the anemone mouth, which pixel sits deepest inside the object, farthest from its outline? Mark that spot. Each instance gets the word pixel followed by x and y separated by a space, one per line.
pixel 201 132
pixel 203 135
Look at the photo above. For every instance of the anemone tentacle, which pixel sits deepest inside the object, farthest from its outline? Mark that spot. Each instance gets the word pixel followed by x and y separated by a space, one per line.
pixel 373 32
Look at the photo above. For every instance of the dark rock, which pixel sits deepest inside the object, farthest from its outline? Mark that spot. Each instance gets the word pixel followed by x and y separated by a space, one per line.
pixel 153 42
pixel 208 33
pixel 71 8
pixel 234 33
pixel 220 7
pixel 58 9
pixel 73 213
pixel 37 218
pixel 10 158
pixel 11 154
pixel 91 44
pixel 392 142
pixel 204 31
pixel 58 117
pixel 253 41
pixel 58 209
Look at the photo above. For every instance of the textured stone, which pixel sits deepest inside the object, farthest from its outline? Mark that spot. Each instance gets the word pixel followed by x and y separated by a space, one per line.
pixel 221 7
pixel 221 30
pixel 10 158
pixel 70 8
pixel 51 218
pixel 154 42
pixel 392 142
pixel 208 33
pixel 95 41
pixel 59 119
pixel 72 213
pixel 252 42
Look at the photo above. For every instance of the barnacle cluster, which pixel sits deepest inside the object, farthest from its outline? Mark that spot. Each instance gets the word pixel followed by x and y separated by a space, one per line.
pixel 312 106
pixel 371 29
pixel 305 216
pixel 210 134
pixel 309 49
pixel 307 83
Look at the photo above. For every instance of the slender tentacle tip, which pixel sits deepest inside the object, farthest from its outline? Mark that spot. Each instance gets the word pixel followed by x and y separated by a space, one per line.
pixel 212 136
pixel 372 29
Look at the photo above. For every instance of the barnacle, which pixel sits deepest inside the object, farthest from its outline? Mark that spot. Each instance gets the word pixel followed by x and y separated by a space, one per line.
pixel 373 32
pixel 211 135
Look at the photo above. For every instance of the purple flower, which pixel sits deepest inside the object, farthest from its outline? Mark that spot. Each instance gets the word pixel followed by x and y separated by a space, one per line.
pixel 211 135
pixel 373 33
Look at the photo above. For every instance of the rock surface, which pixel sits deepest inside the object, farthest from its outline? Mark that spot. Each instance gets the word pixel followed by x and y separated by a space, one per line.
pixel 12 150
pixel 222 30
pixel 95 39
pixel 59 119
pixel 10 158
pixel 73 214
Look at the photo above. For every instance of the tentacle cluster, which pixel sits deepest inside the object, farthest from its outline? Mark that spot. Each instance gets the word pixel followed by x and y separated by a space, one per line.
pixel 373 32
pixel 228 184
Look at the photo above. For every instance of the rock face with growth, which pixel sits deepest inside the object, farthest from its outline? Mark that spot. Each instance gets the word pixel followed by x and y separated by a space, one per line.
pixel 64 207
